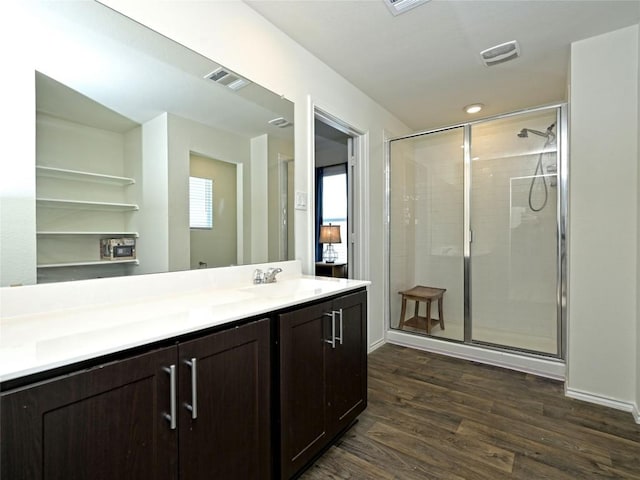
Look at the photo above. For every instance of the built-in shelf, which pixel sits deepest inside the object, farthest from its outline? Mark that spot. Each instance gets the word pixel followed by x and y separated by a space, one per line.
pixel 87 263
pixel 85 205
pixel 63 173
pixel 113 234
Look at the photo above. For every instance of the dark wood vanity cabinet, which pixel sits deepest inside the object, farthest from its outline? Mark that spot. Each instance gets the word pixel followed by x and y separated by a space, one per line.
pixel 323 376
pixel 230 436
pixel 114 421
pixel 104 423
pixel 199 408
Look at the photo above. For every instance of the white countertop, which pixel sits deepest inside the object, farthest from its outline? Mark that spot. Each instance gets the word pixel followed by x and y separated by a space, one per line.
pixel 41 341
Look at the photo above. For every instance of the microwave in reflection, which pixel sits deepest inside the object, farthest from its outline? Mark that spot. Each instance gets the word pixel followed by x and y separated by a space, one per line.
pixel 118 248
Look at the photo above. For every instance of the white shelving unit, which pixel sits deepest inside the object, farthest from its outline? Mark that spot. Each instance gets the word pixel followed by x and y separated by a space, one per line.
pixel 83 193
pixel 86 205
pixel 81 244
pixel 97 234
pixel 78 175
pixel 87 263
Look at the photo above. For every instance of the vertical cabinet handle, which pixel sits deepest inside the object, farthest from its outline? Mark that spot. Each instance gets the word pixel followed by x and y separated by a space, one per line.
pixel 339 312
pixel 332 342
pixel 171 417
pixel 193 408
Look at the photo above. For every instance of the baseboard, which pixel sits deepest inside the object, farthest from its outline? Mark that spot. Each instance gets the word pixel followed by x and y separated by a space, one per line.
pixel 376 345
pixel 549 368
pixel 604 401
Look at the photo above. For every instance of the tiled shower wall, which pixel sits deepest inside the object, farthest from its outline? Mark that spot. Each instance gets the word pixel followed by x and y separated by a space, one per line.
pixel 513 263
pixel 430 172
pixel 402 227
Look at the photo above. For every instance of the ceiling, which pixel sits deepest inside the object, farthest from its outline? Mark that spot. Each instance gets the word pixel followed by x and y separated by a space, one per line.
pixel 424 65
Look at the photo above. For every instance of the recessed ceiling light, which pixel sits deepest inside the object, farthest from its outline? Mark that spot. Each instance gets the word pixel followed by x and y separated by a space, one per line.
pixel 473 108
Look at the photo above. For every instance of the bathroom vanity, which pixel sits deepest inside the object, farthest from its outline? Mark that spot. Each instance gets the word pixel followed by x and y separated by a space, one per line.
pixel 242 381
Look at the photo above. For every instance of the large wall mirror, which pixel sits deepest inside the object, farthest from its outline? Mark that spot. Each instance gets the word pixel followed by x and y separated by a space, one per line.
pixel 141 142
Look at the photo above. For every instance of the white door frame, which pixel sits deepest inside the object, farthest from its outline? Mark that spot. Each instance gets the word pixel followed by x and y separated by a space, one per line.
pixel 358 174
pixel 283 206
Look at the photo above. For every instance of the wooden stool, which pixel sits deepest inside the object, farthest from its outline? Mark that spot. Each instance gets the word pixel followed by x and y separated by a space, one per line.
pixel 422 294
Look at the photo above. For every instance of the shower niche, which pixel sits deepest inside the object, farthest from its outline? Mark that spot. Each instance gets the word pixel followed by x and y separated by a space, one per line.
pixel 478 210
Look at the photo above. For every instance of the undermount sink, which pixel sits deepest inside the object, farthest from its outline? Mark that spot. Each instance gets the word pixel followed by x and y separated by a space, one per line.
pixel 286 288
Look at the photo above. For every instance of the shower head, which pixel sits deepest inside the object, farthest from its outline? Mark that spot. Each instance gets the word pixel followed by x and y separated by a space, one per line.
pixel 548 134
pixel 524 133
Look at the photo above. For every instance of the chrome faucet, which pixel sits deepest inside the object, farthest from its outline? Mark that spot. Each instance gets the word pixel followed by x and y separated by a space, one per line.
pixel 258 276
pixel 265 277
pixel 270 275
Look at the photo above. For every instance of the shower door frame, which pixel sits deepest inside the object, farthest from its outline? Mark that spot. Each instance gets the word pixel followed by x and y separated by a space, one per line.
pixel 561 229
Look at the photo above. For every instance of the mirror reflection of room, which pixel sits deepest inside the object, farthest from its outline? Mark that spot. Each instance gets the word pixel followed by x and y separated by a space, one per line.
pixel 213 212
pixel 332 200
pixel 113 150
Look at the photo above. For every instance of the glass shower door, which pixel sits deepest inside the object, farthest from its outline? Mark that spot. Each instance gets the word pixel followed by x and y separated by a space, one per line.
pixel 513 219
pixel 426 215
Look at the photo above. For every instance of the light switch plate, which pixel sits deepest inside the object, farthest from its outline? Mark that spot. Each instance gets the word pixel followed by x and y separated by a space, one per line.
pixel 301 201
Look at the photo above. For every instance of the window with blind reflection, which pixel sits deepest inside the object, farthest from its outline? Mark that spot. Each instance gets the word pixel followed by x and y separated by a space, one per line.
pixel 200 202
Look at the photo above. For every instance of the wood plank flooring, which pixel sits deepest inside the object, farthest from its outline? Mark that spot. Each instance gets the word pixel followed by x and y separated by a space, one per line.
pixel 435 417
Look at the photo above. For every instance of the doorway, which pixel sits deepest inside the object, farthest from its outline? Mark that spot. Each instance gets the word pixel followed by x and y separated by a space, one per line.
pixel 213 205
pixel 286 194
pixel 336 216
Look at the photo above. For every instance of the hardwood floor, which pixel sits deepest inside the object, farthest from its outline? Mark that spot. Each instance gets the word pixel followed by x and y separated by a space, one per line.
pixel 435 417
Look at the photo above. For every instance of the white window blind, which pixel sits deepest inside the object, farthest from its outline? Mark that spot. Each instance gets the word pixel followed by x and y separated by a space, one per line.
pixel 200 202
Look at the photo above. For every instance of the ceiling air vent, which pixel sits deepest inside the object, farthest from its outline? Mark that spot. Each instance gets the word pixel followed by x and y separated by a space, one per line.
pixel 500 53
pixel 280 122
pixel 396 7
pixel 227 78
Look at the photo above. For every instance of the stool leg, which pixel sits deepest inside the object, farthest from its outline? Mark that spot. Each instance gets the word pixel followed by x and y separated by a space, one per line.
pixel 402 313
pixel 416 310
pixel 441 313
pixel 428 316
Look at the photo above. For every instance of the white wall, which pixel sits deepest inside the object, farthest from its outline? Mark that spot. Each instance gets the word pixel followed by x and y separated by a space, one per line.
pixel 152 223
pixel 279 150
pixel 278 63
pixel 186 137
pixel 259 208
pixel 637 406
pixel 603 246
pixel 17 124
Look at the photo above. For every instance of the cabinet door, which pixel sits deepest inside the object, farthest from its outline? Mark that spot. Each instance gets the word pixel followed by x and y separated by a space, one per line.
pixel 104 423
pixel 302 385
pixel 230 436
pixel 347 363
